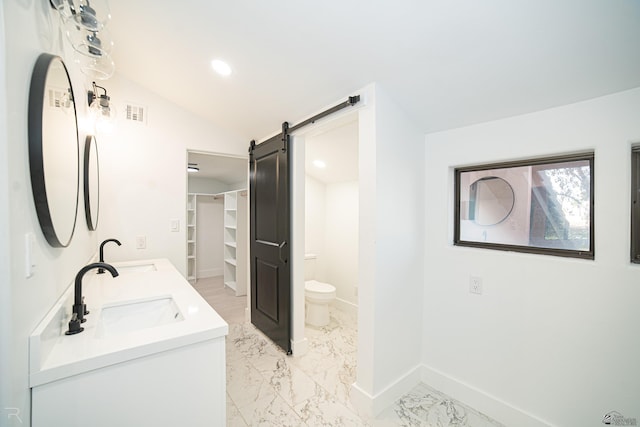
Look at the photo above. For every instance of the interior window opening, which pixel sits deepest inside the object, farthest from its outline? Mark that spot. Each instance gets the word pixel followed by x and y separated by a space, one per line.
pixel 538 206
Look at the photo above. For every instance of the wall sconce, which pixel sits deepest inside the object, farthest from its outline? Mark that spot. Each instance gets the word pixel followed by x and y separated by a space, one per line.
pixel 84 24
pixel 101 111
pixel 193 167
pixel 92 15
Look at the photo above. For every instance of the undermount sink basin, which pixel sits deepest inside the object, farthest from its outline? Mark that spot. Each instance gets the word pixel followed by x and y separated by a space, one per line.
pixel 117 319
pixel 137 268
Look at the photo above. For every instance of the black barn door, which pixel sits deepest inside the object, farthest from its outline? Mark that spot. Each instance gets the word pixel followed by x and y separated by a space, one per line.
pixel 269 257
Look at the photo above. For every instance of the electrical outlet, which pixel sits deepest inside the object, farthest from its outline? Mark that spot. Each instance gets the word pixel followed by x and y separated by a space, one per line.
pixel 141 242
pixel 475 285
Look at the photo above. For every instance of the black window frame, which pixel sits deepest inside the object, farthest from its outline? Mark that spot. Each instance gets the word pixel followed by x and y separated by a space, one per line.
pixel 569 253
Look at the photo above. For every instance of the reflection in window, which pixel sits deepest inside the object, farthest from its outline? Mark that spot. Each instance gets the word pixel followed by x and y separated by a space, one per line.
pixel 560 207
pixel 541 206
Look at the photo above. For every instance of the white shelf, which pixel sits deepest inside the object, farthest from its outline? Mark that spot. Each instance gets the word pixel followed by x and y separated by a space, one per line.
pixel 234 223
pixel 192 204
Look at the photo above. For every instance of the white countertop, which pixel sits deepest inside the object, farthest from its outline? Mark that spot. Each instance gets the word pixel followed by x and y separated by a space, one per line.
pixel 54 355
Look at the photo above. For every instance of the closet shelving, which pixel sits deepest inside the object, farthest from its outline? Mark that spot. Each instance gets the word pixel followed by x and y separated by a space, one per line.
pixel 235 239
pixel 191 236
pixel 230 239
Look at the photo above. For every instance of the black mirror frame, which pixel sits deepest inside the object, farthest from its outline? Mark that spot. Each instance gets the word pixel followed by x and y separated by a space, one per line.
pixel 36 160
pixel 89 143
pixel 473 197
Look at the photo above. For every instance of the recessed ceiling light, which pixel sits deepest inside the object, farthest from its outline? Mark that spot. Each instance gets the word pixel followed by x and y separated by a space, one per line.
pixel 319 164
pixel 193 167
pixel 221 67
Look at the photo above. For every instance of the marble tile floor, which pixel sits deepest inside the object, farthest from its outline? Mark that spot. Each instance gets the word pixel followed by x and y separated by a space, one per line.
pixel 265 387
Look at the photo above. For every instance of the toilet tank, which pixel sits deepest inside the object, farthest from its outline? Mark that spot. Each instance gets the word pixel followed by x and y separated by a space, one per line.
pixel 309 266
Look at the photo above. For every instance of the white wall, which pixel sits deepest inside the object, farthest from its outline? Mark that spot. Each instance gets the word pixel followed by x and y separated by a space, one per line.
pixel 556 338
pixel 150 160
pixel 391 276
pixel 341 239
pixel 331 233
pixel 205 185
pixel 242 185
pixel 315 223
pixel 209 236
pixel 5 227
pixel 30 28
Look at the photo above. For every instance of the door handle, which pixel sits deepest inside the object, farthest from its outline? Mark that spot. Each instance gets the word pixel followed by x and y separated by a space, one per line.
pixel 281 246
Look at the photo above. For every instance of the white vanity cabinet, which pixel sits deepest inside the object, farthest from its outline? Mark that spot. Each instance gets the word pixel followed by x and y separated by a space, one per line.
pixel 123 372
pixel 180 387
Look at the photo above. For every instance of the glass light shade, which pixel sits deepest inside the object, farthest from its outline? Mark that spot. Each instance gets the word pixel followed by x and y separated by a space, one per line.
pixel 92 15
pixel 63 7
pixel 89 43
pixel 97 68
pixel 103 114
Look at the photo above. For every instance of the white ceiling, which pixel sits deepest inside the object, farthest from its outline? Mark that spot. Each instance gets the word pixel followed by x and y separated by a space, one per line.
pixel 228 170
pixel 447 63
pixel 338 149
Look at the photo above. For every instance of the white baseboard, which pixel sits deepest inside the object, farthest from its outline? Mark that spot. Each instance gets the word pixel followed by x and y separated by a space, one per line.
pixel 481 401
pixel 345 306
pixel 361 400
pixel 212 272
pixel 300 347
pixel 373 405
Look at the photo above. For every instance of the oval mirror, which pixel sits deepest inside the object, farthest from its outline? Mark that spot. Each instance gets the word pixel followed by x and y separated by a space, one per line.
pixel 91 182
pixel 491 200
pixel 53 149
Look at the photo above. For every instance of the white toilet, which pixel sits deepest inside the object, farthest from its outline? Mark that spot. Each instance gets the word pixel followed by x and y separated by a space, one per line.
pixel 317 295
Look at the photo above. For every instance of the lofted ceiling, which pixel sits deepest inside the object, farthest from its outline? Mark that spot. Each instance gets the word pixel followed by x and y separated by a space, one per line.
pixel 447 63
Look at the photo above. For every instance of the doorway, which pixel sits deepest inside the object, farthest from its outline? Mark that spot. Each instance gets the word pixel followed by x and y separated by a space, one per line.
pixel 217 230
pixel 325 215
pixel 331 210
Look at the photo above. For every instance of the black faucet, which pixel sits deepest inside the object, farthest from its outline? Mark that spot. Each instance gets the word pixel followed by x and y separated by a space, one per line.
pixel 101 270
pixel 79 307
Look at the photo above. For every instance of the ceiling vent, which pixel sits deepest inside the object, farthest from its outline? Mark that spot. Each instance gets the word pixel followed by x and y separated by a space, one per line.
pixel 136 113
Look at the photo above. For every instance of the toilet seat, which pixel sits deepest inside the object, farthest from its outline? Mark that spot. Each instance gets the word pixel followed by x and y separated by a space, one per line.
pixel 319 287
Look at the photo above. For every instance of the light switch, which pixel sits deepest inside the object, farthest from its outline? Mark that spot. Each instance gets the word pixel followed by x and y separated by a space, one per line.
pixel 175 225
